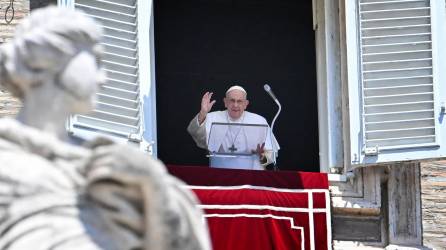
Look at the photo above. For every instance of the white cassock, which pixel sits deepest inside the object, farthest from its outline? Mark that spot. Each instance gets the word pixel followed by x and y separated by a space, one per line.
pixel 240 140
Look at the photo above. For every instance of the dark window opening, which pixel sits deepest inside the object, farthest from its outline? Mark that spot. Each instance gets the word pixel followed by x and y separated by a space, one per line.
pixel 211 45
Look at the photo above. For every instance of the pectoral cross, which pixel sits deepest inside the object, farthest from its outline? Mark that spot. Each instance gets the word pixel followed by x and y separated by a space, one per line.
pixel 232 148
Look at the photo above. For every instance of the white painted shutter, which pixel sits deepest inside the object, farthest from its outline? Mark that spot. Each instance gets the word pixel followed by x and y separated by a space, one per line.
pixel 394 105
pixel 118 110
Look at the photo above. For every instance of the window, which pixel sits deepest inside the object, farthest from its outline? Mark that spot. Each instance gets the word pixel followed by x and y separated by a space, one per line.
pixel 395 74
pixel 396 80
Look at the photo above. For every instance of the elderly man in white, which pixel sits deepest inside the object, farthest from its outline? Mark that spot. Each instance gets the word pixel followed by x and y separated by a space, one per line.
pixel 239 139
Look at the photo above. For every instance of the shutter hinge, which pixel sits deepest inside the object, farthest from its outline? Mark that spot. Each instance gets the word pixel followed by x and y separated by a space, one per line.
pixel 149 147
pixel 371 151
pixel 135 138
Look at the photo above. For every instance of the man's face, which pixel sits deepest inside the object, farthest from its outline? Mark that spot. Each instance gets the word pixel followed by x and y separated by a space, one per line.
pixel 235 101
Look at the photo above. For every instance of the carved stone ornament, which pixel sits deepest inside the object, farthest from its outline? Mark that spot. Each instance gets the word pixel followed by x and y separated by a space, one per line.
pixel 57 195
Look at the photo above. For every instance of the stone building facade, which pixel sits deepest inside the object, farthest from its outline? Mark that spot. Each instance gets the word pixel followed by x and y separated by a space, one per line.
pixel 9 105
pixel 433 203
pixel 400 204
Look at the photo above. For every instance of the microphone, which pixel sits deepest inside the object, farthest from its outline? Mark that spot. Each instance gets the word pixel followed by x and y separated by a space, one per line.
pixel 270 92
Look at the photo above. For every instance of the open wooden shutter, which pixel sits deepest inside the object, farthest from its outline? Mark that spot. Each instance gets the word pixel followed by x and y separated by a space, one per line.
pixel 118 110
pixel 394 102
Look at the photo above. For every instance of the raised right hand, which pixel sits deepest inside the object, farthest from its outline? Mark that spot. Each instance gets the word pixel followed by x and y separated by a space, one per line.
pixel 206 106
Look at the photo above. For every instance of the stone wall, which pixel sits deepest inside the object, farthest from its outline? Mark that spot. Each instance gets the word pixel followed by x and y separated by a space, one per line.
pixel 9 105
pixel 21 9
pixel 433 201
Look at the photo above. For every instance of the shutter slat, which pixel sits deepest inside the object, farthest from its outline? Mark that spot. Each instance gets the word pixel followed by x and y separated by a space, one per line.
pixel 364 38
pixel 117 109
pixel 119 33
pixel 402 124
pixel 398 38
pixel 398 90
pixel 404 115
pixel 123 51
pixel 407 141
pixel 121 127
pixel 403 55
pixel 396 47
pixel 399 107
pixel 395 13
pixel 368 2
pixel 392 5
pixel 115 117
pixel 397 81
pixel 121 93
pixel 128 69
pixel 394 19
pixel 122 26
pixel 119 42
pixel 393 73
pixel 122 2
pixel 103 125
pixel 119 58
pixel 388 7
pixel 396 28
pixel 121 76
pixel 116 7
pixel 401 30
pixel 399 133
pixel 122 85
pixel 398 64
pixel 400 97
pixel 398 52
pixel 120 16
pixel 117 101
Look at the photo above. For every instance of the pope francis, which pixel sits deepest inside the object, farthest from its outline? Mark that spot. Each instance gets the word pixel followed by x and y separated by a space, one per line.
pixel 256 144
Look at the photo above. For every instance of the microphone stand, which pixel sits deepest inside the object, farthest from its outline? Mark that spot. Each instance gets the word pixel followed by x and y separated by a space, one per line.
pixel 271 135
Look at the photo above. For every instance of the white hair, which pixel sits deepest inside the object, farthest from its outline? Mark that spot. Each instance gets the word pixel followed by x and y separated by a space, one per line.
pixel 42 46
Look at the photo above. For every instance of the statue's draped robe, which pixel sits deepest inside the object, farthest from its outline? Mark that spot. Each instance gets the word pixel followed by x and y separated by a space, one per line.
pixel 55 195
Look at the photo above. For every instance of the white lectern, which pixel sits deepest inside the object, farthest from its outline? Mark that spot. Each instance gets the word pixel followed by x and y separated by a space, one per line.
pixel 233 145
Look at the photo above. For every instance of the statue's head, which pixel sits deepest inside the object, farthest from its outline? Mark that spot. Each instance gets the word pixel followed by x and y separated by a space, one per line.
pixel 57 47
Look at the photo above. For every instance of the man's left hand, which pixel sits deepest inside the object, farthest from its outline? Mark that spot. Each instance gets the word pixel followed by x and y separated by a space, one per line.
pixel 260 150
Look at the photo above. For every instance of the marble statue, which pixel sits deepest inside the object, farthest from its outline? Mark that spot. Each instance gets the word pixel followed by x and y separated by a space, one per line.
pixel 58 195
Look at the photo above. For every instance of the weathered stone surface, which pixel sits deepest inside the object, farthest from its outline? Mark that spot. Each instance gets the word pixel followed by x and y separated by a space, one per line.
pixel 21 10
pixel 433 195
pixel 9 106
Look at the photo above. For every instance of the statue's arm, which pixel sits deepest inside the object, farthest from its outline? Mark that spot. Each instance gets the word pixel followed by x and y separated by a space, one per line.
pixel 135 191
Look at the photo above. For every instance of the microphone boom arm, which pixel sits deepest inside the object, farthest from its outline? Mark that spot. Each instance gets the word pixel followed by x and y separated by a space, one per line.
pixel 270 92
pixel 273 145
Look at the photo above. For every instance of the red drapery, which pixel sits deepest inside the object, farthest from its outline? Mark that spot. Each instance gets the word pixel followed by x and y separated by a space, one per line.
pixel 265 210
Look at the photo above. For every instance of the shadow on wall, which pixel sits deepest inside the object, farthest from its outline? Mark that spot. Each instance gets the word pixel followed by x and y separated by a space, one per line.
pixel 34 4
